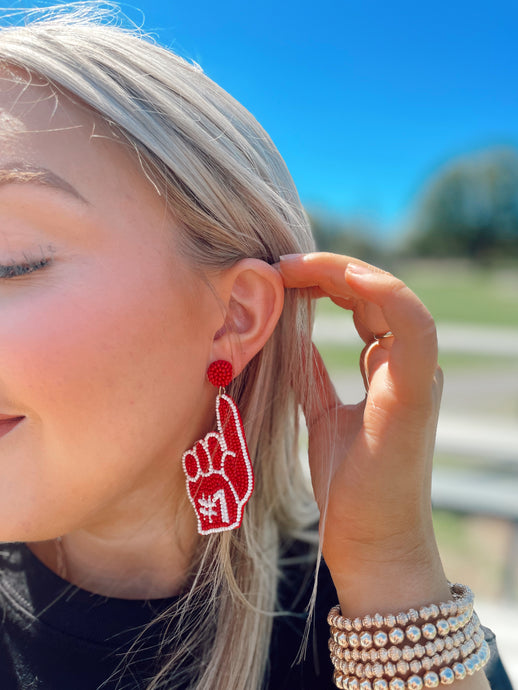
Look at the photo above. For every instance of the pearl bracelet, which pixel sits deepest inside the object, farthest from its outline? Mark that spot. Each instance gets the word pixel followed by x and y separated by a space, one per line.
pixel 462 601
pixel 462 641
pixel 409 650
pixel 363 645
pixel 403 666
pixel 396 636
pixel 431 679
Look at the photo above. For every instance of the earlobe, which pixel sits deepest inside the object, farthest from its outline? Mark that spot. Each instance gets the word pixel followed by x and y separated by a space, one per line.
pixel 253 296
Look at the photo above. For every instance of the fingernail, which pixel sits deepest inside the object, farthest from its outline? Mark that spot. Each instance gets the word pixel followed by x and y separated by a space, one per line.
pixel 358 269
pixel 285 258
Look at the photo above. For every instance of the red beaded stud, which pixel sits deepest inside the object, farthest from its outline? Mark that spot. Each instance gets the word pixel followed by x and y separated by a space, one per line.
pixel 219 373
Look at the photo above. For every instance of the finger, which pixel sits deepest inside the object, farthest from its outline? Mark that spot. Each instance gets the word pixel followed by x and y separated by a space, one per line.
pixel 215 452
pixel 370 322
pixel 413 354
pixel 230 425
pixel 240 475
pixel 190 465
pixel 318 269
pixel 203 457
pixel 324 274
pixel 317 293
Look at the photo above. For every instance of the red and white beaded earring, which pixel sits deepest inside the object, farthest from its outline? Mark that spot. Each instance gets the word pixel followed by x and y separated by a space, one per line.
pixel 220 479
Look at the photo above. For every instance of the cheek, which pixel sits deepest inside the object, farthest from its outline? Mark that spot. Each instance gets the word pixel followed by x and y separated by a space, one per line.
pixel 108 378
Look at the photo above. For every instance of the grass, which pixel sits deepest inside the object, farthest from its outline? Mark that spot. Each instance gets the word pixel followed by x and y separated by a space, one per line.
pixel 337 358
pixel 459 293
pixel 344 358
pixel 473 550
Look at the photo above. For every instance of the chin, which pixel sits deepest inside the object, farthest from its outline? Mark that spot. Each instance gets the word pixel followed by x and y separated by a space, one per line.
pixel 17 525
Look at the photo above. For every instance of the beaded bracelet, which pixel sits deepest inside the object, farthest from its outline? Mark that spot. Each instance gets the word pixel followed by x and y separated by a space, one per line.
pixel 439 635
pixel 402 667
pixel 369 653
pixel 462 600
pixel 413 633
pixel 431 679
pixel 396 635
pixel 462 642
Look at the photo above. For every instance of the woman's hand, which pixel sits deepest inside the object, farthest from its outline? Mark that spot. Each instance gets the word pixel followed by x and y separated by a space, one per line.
pixel 372 461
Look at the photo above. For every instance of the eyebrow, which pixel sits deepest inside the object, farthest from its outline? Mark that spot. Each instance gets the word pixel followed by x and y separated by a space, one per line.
pixel 23 173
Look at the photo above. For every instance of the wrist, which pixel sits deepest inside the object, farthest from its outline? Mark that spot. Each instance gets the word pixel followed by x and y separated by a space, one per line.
pixel 387 586
pixel 434 645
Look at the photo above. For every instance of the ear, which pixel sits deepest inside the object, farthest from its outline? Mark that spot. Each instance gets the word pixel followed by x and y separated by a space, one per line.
pixel 252 293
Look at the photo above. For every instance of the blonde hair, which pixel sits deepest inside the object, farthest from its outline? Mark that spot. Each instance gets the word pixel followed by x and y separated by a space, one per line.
pixel 228 188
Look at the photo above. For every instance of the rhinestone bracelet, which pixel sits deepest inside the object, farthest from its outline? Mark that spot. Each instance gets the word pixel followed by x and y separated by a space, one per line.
pixel 463 641
pixel 461 601
pixel 431 679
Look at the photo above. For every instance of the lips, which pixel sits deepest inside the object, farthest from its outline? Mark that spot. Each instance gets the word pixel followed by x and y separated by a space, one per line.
pixel 7 423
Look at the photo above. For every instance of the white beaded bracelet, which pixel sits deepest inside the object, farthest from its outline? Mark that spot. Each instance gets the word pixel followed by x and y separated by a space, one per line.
pixel 403 666
pixel 462 600
pixel 396 636
pixel 462 641
pixel 431 679
pixel 371 647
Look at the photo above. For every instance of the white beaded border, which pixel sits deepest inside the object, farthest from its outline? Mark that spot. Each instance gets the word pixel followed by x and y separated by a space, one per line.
pixel 431 679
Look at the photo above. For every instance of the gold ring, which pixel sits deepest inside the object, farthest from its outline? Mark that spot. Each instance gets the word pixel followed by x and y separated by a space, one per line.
pixel 380 336
pixel 364 363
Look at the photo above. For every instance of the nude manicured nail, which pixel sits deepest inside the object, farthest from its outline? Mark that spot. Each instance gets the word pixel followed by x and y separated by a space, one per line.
pixel 285 258
pixel 358 269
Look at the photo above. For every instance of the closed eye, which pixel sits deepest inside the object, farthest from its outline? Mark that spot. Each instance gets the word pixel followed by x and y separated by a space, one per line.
pixel 21 269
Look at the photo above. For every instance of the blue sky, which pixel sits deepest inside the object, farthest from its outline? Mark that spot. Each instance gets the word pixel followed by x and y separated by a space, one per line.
pixel 364 99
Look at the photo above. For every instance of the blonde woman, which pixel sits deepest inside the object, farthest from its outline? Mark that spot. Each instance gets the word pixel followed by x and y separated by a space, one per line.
pixel 149 229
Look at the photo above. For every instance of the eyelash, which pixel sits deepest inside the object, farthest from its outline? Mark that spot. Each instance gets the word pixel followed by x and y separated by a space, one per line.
pixel 28 266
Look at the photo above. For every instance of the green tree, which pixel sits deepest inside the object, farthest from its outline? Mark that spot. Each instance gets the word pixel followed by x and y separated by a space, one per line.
pixel 470 209
pixel 342 236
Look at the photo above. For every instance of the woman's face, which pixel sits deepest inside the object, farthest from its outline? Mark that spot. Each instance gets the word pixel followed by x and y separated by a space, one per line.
pixel 104 339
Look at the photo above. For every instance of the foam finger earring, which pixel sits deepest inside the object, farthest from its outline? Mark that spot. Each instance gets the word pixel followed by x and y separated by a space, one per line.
pixel 219 474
